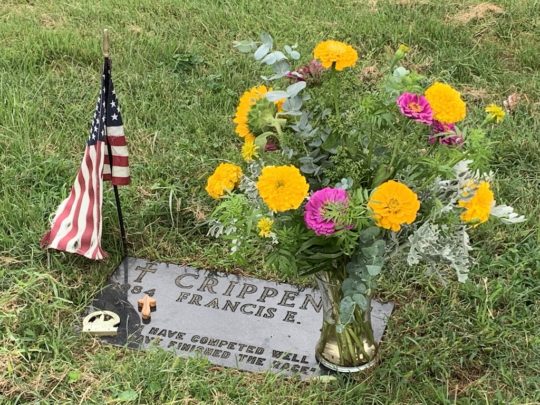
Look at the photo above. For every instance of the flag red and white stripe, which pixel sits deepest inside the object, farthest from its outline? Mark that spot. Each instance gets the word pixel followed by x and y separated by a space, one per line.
pixel 77 223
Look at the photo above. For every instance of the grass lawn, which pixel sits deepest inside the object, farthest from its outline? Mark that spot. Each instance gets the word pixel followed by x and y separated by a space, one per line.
pixel 178 80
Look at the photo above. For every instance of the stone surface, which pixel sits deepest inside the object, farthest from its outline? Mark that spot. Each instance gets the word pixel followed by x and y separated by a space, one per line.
pixel 231 320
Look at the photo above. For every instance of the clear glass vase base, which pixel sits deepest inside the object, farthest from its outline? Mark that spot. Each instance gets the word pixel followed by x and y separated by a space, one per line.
pixel 344 369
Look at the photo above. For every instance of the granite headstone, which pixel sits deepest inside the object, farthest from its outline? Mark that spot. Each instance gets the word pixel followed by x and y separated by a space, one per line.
pixel 233 321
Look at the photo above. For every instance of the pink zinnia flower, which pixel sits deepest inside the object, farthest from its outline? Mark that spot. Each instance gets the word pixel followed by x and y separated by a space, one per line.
pixel 449 140
pixel 314 213
pixel 311 72
pixel 439 127
pixel 445 134
pixel 416 107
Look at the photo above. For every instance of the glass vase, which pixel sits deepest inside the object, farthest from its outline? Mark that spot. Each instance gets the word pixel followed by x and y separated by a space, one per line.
pixel 353 348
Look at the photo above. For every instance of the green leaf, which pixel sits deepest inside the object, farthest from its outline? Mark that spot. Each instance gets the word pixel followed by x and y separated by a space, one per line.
pixel 261 52
pixel 346 310
pixel 273 57
pixel 276 95
pixel 260 141
pixel 267 40
pixel 127 396
pixel 74 376
pixel 369 234
pixel 361 301
pixel 373 270
pixel 245 46
pixel 296 88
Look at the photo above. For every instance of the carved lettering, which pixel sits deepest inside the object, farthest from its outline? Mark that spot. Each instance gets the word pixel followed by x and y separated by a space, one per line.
pixel 208 284
pixel 289 317
pixel 178 280
pixel 288 295
pixel 247 289
pixel 229 289
pixel 229 304
pixel 243 310
pixel 309 298
pixel 196 299
pixel 270 312
pixel 268 292
pixel 213 304
pixel 183 295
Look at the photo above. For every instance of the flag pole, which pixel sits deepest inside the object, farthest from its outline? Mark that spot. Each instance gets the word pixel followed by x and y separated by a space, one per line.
pixel 109 151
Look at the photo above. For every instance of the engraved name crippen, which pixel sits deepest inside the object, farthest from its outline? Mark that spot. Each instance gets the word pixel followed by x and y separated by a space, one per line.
pixel 243 297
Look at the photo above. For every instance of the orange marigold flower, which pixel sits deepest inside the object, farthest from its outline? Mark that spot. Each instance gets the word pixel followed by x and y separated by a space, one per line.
pixel 335 52
pixel 246 102
pixel 282 188
pixel 223 180
pixel 393 204
pixel 446 103
pixel 478 207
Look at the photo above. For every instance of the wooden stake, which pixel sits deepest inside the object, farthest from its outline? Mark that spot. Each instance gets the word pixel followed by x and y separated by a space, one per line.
pixel 105 43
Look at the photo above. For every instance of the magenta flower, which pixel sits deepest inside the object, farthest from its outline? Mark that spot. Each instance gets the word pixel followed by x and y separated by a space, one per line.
pixel 448 140
pixel 416 107
pixel 445 134
pixel 439 127
pixel 314 213
pixel 311 72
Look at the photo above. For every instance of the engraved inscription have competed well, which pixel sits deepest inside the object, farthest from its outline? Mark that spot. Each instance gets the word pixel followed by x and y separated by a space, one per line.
pixel 234 294
pixel 237 352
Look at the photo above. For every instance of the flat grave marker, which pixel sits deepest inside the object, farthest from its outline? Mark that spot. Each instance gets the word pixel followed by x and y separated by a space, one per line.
pixel 233 321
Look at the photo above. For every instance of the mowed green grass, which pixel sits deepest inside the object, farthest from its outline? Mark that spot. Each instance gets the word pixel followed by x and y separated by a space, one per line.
pixel 178 80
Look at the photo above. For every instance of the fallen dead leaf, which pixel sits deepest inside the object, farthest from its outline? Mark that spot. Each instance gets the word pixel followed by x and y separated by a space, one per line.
pixel 476 12
pixel 370 74
pixel 511 102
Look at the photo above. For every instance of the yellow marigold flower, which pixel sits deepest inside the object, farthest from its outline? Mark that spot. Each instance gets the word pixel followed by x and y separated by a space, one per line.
pixel 249 150
pixel 224 179
pixel 478 207
pixel 446 103
pixel 282 188
pixel 495 113
pixel 265 227
pixel 246 102
pixel 393 204
pixel 330 52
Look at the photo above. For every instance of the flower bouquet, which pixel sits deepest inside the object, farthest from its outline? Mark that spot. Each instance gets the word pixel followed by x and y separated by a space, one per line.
pixel 341 172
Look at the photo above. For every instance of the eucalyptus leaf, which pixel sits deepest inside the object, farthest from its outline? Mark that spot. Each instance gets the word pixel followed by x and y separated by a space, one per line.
pixel 293 104
pixel 266 39
pixel 373 270
pixel 296 88
pixel 346 310
pixel 261 51
pixel 361 301
pixel 292 53
pixel 273 57
pixel 276 95
pixel 245 46
pixel 369 234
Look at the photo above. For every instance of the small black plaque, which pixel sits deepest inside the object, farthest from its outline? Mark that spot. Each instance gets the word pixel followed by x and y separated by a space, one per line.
pixel 233 321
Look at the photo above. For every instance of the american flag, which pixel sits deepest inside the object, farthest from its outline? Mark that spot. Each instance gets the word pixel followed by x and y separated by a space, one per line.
pixel 76 226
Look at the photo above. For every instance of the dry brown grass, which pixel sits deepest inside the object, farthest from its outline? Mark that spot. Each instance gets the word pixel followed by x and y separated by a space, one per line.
pixel 477 12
